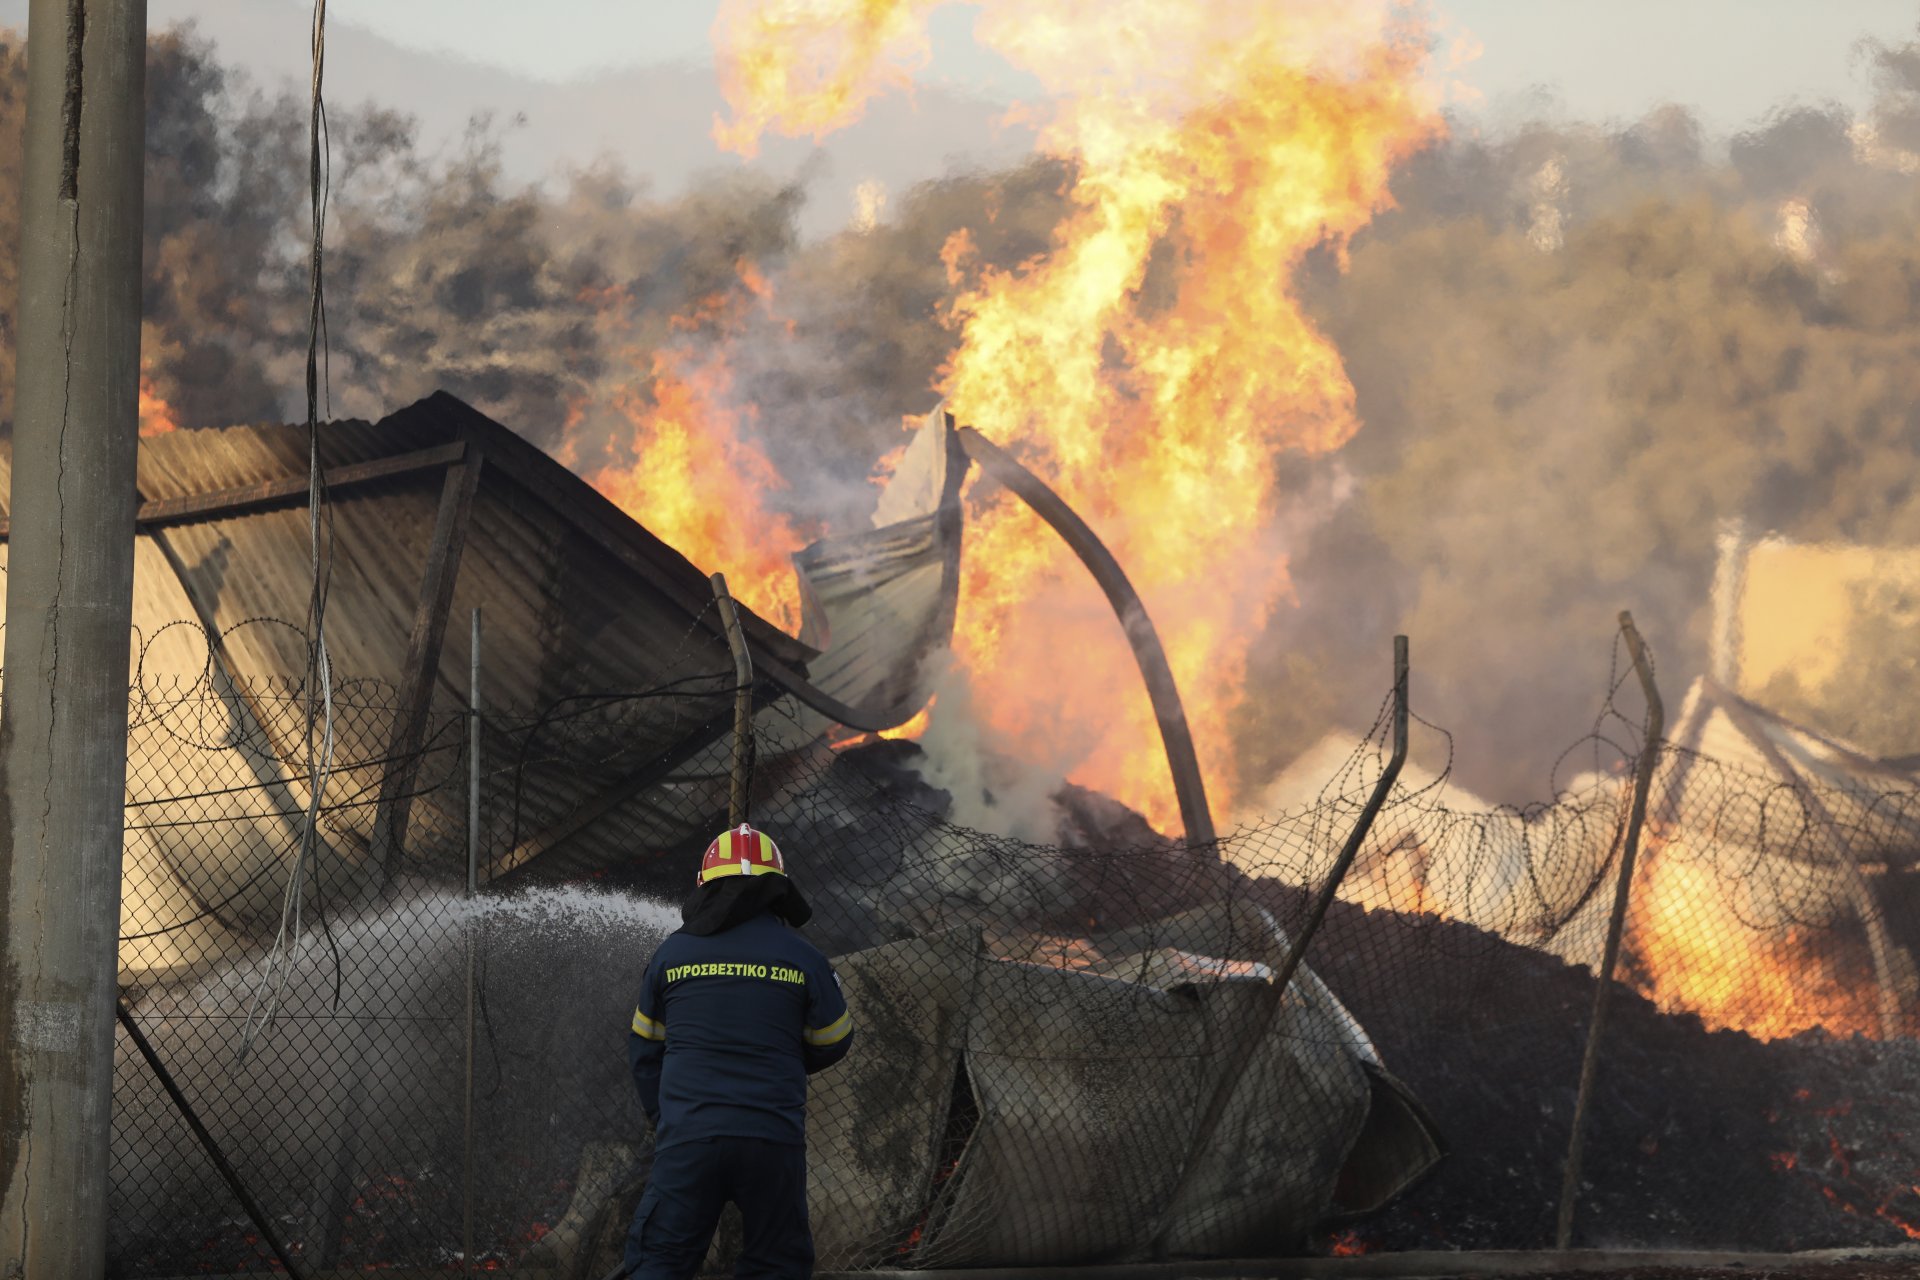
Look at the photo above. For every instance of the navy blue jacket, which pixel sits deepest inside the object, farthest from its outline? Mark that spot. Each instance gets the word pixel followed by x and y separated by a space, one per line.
pixel 727 1030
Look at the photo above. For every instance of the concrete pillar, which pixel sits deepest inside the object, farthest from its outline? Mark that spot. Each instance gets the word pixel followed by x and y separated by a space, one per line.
pixel 63 716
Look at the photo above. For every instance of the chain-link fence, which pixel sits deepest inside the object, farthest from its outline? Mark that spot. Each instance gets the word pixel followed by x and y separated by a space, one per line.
pixel 1069 1053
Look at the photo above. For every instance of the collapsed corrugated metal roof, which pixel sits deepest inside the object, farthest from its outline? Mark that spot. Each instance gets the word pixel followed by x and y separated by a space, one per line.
pixel 1813 779
pixel 436 511
pixel 877 603
pixel 432 512
pixel 1806 826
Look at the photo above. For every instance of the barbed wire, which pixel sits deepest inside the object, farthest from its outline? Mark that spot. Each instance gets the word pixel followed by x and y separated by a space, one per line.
pixel 1050 974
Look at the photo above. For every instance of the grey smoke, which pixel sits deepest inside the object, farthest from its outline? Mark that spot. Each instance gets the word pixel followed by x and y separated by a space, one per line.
pixel 1576 347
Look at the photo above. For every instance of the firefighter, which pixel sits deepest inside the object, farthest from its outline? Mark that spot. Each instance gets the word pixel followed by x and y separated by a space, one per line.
pixel 736 1011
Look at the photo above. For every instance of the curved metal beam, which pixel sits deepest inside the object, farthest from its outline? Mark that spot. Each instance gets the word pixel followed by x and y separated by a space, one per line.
pixel 1147 651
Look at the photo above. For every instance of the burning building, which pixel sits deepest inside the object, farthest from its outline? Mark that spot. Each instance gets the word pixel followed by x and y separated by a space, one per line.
pixel 1152 363
pixel 1227 1118
pixel 1773 893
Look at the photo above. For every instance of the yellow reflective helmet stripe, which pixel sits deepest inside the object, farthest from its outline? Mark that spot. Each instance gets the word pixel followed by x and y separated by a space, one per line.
pixel 833 1033
pixel 647 1028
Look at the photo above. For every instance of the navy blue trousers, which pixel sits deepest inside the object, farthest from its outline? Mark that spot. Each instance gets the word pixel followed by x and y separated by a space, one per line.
pixel 692 1181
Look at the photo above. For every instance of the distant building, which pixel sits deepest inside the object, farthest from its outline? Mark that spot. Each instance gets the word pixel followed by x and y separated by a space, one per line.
pixel 1825 634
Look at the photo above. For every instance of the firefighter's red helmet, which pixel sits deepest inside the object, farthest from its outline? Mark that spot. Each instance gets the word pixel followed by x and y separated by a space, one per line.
pixel 741 851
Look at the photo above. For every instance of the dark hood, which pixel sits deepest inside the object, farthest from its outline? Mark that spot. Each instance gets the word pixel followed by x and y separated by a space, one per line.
pixel 722 904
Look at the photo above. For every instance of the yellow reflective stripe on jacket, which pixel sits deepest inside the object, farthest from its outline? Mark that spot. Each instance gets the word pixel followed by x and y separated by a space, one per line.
pixel 647 1027
pixel 833 1033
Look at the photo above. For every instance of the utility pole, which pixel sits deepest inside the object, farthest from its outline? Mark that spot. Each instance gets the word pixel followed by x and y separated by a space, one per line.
pixel 63 714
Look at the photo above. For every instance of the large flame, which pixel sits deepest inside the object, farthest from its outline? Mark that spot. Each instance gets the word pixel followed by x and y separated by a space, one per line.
pixel 808 68
pixel 696 478
pixel 1690 954
pixel 1153 364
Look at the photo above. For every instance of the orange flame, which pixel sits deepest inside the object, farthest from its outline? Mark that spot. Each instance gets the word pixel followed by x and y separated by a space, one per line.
pixel 1692 955
pixel 1155 362
pixel 1840 1165
pixel 809 67
pixel 913 728
pixel 156 415
pixel 698 484
pixel 1347 1244
pixel 841 739
pixel 1885 1211
pixel 696 477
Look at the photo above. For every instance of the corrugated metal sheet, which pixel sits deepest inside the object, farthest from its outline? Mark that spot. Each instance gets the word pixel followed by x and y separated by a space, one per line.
pixel 679 815
pixel 1824 633
pixel 880 603
pixel 545 482
pixel 181 463
pixel 214 821
pixel 259 565
pixel 883 594
pixel 1744 797
pixel 579 604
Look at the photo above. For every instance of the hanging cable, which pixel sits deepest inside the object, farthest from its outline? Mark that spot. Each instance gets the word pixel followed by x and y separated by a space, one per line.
pixel 318 686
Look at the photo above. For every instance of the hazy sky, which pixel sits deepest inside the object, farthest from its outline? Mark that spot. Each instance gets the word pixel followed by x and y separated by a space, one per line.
pixel 1731 58
pixel 631 80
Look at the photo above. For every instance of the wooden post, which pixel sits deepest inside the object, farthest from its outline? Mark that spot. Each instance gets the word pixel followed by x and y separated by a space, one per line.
pixel 63 727
pixel 1616 926
pixel 422 665
pixel 738 795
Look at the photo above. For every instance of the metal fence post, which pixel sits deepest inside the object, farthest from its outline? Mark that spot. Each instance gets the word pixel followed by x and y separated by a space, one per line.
pixel 1344 862
pixel 262 1222
pixel 1276 992
pixel 1616 925
pixel 473 876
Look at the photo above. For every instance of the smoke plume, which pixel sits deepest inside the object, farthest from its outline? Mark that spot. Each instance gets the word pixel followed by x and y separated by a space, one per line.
pixel 1575 348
